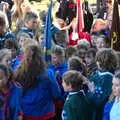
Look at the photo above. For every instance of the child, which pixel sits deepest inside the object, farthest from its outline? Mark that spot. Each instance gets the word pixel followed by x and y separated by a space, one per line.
pixel 30 24
pixel 102 79
pixel 101 42
pixel 13 46
pixel 10 93
pixel 4 35
pixel 59 66
pixel 90 61
pixel 39 86
pixel 23 41
pixel 81 51
pixel 61 38
pixel 111 109
pixel 76 106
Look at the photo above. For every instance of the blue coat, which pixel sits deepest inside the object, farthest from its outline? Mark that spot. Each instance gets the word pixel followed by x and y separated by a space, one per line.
pixel 107 109
pixel 13 102
pixel 39 101
pixel 58 72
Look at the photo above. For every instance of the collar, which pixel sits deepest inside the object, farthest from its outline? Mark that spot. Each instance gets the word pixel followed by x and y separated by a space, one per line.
pixel 80 91
pixel 117 99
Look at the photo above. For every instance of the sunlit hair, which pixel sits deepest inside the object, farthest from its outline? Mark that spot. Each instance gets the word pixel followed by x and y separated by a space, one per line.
pixel 75 63
pixel 32 66
pixel 107 59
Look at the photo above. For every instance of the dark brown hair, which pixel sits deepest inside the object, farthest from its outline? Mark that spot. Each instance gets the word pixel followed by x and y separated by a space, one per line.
pixel 32 66
pixel 75 79
pixel 107 59
pixel 75 63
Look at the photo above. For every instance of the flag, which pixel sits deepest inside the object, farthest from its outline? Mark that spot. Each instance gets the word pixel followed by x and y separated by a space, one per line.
pixel 115 28
pixel 80 22
pixel 48 34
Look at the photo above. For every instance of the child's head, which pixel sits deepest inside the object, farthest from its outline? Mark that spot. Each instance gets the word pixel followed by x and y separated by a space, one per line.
pixel 70 51
pixel 31 67
pixel 81 51
pixel 116 85
pixel 5 57
pixel 107 59
pixel 73 80
pixel 58 56
pixel 75 63
pixel 13 46
pixel 90 56
pixel 61 38
pixel 4 75
pixel 101 42
pixel 21 38
pixel 31 20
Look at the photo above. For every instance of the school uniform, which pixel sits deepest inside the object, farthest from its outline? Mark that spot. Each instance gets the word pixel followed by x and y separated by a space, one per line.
pixel 10 107
pixel 112 110
pixel 77 107
pixel 30 32
pixel 115 110
pixel 103 89
pixel 58 72
pixel 38 102
pixel 107 109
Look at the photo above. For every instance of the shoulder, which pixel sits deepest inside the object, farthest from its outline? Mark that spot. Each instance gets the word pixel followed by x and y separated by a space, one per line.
pixel 77 100
pixel 9 35
pixel 99 74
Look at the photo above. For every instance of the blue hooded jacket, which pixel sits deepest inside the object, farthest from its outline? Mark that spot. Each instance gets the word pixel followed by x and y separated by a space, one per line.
pixel 58 72
pixel 107 109
pixel 39 101
pixel 13 102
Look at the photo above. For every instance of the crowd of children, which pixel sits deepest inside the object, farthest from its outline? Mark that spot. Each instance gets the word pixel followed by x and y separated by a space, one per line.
pixel 82 81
